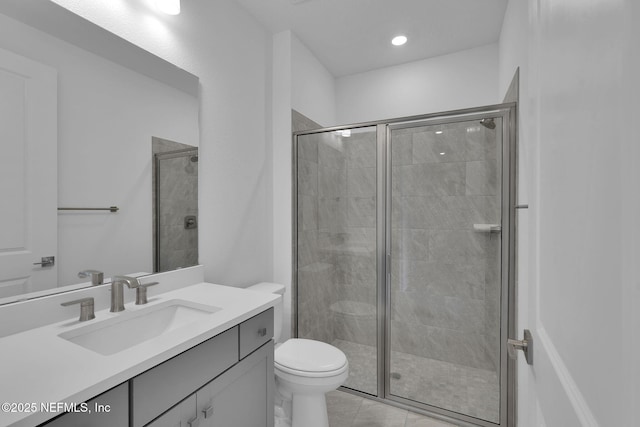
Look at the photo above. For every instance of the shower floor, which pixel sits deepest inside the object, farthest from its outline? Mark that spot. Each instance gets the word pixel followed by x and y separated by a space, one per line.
pixel 470 391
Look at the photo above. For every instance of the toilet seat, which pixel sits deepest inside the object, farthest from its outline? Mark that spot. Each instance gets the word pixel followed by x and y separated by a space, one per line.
pixel 309 358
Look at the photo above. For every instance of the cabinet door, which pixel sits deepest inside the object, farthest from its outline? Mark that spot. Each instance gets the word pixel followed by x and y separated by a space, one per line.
pixel 242 396
pixel 163 386
pixel 181 415
pixel 110 409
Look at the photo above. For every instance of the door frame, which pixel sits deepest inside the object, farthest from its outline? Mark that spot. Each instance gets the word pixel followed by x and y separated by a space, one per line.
pixel 508 113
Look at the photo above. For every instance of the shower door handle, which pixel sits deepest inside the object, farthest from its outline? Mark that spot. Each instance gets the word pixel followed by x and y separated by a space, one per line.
pixel 526 345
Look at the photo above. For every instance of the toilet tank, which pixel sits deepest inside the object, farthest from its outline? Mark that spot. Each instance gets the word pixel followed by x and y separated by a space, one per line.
pixel 273 288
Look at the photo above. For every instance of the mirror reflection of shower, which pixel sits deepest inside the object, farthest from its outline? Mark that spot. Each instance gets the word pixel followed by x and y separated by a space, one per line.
pixel 175 205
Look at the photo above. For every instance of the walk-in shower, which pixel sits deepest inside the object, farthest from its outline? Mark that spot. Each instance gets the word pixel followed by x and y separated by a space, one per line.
pixel 175 205
pixel 403 241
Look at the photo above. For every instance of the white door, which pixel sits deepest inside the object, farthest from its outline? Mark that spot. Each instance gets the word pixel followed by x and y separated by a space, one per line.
pixel 28 174
pixel 580 252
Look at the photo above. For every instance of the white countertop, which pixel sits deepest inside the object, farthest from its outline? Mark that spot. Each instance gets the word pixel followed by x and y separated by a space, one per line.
pixel 37 366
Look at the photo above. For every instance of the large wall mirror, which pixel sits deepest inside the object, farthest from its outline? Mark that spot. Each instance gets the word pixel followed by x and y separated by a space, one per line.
pixel 79 111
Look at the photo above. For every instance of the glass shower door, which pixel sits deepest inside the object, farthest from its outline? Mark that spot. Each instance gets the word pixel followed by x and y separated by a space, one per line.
pixel 336 271
pixel 445 284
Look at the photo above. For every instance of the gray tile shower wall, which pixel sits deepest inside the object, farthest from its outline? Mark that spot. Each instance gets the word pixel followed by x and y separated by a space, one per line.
pixel 315 268
pixel 336 236
pixel 445 276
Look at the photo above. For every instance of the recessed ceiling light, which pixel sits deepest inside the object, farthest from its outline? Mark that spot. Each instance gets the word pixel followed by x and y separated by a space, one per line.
pixel 170 7
pixel 399 40
pixel 438 132
pixel 442 154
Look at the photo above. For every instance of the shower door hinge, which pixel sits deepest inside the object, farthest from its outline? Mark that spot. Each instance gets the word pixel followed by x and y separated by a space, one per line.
pixel 526 345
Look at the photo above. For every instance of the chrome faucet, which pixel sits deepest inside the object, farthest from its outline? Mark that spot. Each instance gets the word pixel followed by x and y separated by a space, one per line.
pixel 117 291
pixel 86 308
pixel 97 277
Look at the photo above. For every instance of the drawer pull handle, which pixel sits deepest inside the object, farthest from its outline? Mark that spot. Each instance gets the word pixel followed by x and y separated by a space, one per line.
pixel 208 412
pixel 194 422
pixel 262 332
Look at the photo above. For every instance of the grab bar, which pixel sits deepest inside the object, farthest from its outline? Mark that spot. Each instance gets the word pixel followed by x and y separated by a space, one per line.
pixel 110 209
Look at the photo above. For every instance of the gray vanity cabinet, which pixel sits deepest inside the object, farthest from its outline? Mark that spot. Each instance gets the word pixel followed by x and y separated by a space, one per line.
pixel 160 388
pixel 241 396
pixel 178 416
pixel 224 382
pixel 109 409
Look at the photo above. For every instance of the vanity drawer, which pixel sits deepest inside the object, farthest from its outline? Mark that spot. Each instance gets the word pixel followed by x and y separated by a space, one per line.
pixel 255 332
pixel 158 389
pixel 109 409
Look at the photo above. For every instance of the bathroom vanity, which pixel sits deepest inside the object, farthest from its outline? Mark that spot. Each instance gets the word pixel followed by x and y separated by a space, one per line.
pixel 216 370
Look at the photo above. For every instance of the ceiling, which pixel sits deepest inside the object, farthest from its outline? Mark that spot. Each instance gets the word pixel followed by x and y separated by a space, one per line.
pixel 353 36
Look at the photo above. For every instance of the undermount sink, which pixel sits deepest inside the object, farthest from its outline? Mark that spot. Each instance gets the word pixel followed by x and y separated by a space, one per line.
pixel 131 328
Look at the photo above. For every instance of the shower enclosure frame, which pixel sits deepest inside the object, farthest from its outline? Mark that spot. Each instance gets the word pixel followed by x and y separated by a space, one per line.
pixel 508 113
pixel 157 158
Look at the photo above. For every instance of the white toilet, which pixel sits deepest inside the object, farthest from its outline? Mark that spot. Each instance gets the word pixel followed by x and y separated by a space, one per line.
pixel 305 370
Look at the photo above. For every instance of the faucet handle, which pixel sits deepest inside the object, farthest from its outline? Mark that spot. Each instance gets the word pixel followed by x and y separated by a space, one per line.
pixel 97 277
pixel 141 292
pixel 86 308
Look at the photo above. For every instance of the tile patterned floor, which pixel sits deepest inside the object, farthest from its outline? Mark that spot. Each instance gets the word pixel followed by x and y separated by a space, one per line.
pixel 347 410
pixel 458 388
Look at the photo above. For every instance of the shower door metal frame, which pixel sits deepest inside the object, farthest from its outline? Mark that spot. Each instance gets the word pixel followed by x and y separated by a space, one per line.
pixel 507 112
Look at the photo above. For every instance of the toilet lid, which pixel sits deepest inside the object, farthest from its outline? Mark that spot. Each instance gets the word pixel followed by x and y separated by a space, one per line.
pixel 309 356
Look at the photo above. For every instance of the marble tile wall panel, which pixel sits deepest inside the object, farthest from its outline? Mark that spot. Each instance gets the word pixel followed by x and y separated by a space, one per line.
pixel 309 249
pixel 444 212
pixel 443 344
pixel 354 269
pixel 361 292
pixel 307 178
pixel 361 212
pixel 361 182
pixel 430 147
pixel 433 179
pixel 361 239
pixel 331 181
pixel 445 179
pixel 331 151
pixel 437 278
pixel 402 148
pixel 425 308
pixel 332 213
pixel 466 141
pixel 356 329
pixel 300 122
pixel 482 178
pixel 465 247
pixel 492 304
pixel 361 149
pixel 314 296
pixel 307 213
pixel 308 147
pixel 177 198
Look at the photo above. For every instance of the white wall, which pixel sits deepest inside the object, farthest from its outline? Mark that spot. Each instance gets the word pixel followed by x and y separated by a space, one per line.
pixel 300 82
pixel 282 94
pixel 231 54
pixel 458 80
pixel 107 115
pixel 313 88
pixel 578 282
